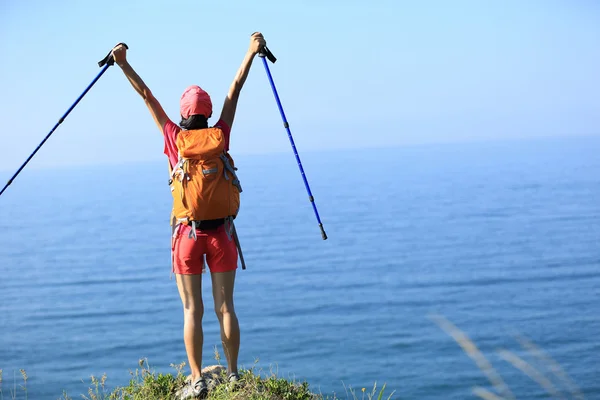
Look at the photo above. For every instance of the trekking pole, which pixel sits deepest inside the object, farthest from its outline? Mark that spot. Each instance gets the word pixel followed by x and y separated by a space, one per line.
pixel 265 54
pixel 106 62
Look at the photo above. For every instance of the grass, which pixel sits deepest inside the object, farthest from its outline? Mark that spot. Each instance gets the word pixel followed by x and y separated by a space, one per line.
pixel 500 390
pixel 14 390
pixel 147 384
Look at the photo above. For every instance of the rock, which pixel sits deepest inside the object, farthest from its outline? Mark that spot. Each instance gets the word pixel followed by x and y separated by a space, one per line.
pixel 214 375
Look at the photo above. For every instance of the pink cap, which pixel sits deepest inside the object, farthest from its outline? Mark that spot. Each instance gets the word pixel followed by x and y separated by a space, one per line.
pixel 194 101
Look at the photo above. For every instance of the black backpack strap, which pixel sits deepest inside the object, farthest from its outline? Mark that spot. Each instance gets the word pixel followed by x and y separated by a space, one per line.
pixel 237 244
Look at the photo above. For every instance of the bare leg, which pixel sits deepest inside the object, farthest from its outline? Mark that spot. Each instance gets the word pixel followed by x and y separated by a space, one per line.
pixel 222 283
pixel 190 291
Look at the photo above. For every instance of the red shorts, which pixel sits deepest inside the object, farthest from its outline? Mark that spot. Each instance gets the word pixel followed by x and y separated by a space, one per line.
pixel 188 255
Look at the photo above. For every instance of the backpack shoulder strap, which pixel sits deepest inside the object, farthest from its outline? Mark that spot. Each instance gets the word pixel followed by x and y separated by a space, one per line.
pixel 237 244
pixel 173 171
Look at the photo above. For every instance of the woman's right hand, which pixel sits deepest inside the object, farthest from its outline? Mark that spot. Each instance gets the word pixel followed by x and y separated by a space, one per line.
pixel 120 54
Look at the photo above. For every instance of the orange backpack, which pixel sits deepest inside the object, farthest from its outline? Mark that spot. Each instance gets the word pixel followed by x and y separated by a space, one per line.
pixel 204 184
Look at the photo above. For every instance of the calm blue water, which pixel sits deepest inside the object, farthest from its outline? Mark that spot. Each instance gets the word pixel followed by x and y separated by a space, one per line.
pixel 498 237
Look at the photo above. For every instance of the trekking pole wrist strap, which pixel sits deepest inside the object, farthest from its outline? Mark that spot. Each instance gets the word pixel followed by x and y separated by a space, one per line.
pixel 265 52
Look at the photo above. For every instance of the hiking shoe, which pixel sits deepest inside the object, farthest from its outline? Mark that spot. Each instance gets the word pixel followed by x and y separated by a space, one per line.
pixel 233 379
pixel 193 390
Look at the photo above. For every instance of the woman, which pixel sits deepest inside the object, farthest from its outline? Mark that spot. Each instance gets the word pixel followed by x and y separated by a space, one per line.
pixel 192 243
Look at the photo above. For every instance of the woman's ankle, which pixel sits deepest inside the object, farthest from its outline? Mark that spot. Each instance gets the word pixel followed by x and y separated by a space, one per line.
pixel 195 375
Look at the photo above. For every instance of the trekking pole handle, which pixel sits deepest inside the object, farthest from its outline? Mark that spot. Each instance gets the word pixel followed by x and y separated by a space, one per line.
pixel 265 52
pixel 109 59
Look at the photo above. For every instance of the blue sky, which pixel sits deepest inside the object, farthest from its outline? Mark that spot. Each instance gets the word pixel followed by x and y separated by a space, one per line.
pixel 350 74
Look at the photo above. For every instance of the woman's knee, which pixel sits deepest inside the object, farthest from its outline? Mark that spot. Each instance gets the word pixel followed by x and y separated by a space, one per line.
pixel 223 308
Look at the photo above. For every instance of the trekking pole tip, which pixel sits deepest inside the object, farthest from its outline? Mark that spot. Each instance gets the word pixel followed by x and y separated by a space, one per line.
pixel 323 234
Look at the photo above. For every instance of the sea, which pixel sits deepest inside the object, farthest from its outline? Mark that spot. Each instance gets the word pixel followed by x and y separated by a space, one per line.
pixel 446 265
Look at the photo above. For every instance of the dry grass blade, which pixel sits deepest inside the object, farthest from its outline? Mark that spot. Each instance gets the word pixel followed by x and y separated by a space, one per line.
pixel 552 364
pixel 531 372
pixel 485 394
pixel 473 352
